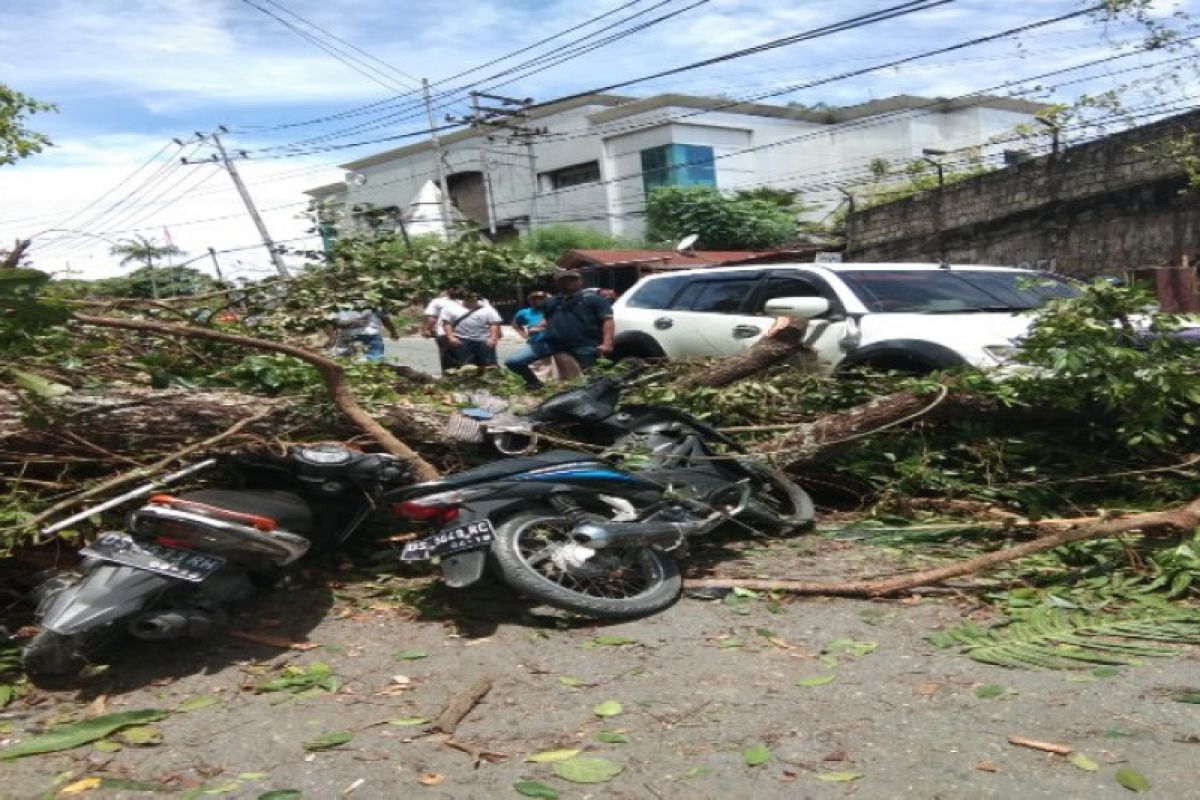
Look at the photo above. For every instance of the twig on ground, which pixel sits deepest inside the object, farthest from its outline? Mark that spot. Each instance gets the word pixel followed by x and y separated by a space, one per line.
pixel 459 706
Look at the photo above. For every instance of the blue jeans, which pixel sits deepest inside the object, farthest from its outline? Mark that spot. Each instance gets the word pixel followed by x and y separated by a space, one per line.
pixel 474 351
pixel 372 346
pixel 535 351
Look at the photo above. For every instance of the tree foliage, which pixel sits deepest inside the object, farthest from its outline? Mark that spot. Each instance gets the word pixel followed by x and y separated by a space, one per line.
pixel 551 241
pixel 16 140
pixel 722 223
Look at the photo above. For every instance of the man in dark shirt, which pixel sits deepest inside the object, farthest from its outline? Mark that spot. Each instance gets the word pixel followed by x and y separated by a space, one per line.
pixel 577 322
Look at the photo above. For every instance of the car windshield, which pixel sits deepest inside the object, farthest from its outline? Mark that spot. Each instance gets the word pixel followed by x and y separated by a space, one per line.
pixel 951 291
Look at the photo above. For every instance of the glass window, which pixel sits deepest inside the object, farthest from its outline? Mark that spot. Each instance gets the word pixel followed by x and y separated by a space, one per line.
pixel 953 291
pixel 787 287
pixel 722 297
pixel 574 175
pixel 656 293
pixel 678 165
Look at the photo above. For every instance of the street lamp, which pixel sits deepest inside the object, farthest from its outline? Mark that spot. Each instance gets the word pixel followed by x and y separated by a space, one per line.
pixel 927 155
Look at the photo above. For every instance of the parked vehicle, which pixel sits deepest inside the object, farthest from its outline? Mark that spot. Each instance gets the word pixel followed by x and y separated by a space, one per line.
pixel 184 560
pixel 907 317
pixel 577 533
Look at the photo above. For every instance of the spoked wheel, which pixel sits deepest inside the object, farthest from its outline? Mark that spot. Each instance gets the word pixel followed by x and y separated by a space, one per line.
pixel 536 556
pixel 777 505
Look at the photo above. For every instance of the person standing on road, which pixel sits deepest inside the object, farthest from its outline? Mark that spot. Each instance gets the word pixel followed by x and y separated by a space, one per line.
pixel 530 324
pixel 577 322
pixel 361 324
pixel 432 327
pixel 472 331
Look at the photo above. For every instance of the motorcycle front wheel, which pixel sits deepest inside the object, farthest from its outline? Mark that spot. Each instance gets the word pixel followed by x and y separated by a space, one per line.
pixel 536 556
pixel 52 654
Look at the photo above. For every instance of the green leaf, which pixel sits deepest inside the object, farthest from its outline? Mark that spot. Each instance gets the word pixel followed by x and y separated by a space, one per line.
pixel 838 777
pixel 404 722
pixel 757 755
pixel 553 755
pixel 609 641
pixel 1132 780
pixel 197 703
pixel 281 794
pixel 141 736
pixel 134 786
pixel 66 737
pixel 535 789
pixel 103 746
pixel 328 741
pixel 609 708
pixel 411 655
pixel 587 770
pixel 989 690
pixel 612 737
pixel 1083 762
pixel 570 680
pixel 37 385
pixel 253 776
pixel 1106 672
pixel 816 680
pixel 1187 697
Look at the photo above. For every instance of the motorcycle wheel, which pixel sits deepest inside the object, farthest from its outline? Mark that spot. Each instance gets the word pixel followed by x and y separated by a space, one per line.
pixel 777 505
pixel 534 553
pixel 53 655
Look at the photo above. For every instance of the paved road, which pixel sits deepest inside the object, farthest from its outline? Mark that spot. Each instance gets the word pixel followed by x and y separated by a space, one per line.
pixel 421 354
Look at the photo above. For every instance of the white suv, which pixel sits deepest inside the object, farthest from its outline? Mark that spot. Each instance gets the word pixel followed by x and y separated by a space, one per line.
pixel 908 317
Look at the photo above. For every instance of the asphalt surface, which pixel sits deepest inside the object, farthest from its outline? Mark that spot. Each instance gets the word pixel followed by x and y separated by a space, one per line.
pixel 421 354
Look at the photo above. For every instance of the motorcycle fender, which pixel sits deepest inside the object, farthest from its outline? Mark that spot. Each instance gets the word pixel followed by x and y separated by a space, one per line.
pixel 463 569
pixel 109 592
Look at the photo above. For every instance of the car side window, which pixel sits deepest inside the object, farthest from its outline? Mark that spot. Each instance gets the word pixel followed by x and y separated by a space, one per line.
pixel 719 297
pixel 657 293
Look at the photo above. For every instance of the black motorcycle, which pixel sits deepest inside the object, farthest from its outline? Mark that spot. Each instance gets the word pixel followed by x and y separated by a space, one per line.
pixel 184 560
pixel 576 532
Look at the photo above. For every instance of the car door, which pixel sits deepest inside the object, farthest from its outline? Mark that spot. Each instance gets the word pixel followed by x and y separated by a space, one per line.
pixel 699 322
pixel 823 333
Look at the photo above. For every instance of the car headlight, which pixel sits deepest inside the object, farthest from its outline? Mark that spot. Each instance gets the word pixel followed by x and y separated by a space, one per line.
pixel 1002 353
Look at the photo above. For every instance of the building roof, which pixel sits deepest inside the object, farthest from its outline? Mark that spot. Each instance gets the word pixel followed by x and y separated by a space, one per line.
pixel 534 112
pixel 815 115
pixel 669 259
pixel 326 190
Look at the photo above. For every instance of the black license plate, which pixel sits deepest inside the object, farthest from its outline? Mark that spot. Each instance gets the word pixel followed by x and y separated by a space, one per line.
pixel 449 541
pixel 186 565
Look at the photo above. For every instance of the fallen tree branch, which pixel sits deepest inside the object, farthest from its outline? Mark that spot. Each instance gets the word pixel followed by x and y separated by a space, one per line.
pixel 459 706
pixel 1180 519
pixel 331 372
pixel 146 471
pixel 765 353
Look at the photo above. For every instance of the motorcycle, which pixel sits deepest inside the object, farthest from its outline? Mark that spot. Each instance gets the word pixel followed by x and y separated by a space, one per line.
pixel 184 561
pixel 573 531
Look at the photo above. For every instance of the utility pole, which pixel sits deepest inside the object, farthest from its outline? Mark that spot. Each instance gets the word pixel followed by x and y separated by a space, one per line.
pixel 216 264
pixel 503 117
pixel 437 156
pixel 477 114
pixel 276 258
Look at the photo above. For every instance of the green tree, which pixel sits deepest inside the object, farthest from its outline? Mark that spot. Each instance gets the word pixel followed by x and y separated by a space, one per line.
pixel 141 249
pixel 552 241
pixel 722 223
pixel 17 141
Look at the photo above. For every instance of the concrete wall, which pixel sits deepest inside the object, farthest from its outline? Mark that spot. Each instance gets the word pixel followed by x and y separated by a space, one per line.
pixel 1101 207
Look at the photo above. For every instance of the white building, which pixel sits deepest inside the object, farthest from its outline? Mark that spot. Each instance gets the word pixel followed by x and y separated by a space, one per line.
pixel 601 154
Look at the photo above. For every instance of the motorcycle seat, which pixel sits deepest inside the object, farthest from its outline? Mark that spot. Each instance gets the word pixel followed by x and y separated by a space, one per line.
pixel 288 510
pixel 495 470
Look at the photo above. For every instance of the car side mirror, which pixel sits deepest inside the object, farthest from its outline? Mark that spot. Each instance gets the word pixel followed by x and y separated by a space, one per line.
pixel 796 307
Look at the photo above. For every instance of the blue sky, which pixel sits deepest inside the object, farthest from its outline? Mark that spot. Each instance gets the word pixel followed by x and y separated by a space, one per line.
pixel 130 74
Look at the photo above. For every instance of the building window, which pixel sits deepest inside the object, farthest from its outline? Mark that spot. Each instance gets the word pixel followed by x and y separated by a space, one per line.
pixel 574 175
pixel 678 165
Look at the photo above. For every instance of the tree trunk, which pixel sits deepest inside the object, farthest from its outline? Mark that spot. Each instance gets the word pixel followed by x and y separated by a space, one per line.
pixel 766 353
pixel 331 373
pixel 1183 518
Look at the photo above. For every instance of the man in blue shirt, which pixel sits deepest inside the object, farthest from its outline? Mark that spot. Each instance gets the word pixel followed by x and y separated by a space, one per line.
pixel 577 322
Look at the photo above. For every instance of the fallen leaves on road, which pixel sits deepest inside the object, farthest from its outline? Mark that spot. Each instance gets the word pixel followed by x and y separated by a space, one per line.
pixel 757 755
pixel 1046 747
pixel 430 778
pixel 66 737
pixel 587 770
pixel 1132 780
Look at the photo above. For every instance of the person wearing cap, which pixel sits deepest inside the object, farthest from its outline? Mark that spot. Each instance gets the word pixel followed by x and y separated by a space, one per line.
pixel 577 322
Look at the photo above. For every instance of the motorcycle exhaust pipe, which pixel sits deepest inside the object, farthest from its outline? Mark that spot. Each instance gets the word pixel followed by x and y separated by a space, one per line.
pixel 597 535
pixel 175 623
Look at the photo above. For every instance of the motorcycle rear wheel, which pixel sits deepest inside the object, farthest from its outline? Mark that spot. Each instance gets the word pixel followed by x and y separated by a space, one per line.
pixel 53 655
pixel 533 548
pixel 777 505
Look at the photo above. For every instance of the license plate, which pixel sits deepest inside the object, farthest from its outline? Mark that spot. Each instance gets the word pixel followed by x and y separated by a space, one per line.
pixel 186 565
pixel 449 541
